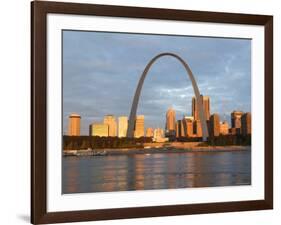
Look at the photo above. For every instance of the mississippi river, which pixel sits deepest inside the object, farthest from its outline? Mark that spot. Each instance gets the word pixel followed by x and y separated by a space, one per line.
pixel 155 171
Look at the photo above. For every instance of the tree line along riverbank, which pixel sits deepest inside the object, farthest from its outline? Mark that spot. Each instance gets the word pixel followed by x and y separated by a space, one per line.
pixel 95 142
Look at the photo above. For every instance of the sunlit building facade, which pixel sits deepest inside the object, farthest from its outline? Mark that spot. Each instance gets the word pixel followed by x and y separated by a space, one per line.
pixel 112 125
pixel 99 129
pixel 246 121
pixel 179 129
pixel 158 135
pixel 206 107
pixel 236 119
pixel 224 128
pixel 197 128
pixel 187 124
pixel 171 120
pixel 122 126
pixel 149 132
pixel 74 125
pixel 214 125
pixel 139 126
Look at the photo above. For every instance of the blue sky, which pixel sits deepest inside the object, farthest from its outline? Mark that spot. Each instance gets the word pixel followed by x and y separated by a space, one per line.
pixel 101 71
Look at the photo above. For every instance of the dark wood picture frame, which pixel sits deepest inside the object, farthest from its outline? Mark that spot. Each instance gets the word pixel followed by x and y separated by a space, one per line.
pixel 39 11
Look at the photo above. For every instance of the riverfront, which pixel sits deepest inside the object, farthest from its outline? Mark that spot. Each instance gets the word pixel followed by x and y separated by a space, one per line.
pixel 185 169
pixel 151 148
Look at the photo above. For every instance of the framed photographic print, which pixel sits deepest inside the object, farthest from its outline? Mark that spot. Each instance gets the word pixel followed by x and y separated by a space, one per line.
pixel 144 112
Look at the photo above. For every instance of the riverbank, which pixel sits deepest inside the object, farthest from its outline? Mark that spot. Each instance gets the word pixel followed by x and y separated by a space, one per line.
pixel 176 148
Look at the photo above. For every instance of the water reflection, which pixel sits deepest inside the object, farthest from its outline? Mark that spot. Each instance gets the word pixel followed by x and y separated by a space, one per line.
pixel 155 171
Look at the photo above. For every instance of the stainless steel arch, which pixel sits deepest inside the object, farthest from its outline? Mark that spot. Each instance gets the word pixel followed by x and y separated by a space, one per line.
pixel 130 131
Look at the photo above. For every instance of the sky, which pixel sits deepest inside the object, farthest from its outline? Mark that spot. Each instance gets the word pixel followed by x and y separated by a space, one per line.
pixel 101 71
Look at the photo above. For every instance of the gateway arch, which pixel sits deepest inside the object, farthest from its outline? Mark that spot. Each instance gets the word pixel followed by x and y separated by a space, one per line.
pixel 132 118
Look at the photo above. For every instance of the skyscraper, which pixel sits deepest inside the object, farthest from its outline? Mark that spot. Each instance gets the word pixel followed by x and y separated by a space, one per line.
pixel 74 125
pixel 187 124
pixel 139 126
pixel 179 129
pixel 246 124
pixel 214 125
pixel 171 120
pixel 112 125
pixel 236 121
pixel 170 130
pixel 99 129
pixel 149 132
pixel 122 126
pixel 206 107
pixel 197 128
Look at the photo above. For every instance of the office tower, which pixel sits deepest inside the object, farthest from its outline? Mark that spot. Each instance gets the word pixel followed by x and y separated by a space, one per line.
pixel 224 128
pixel 99 129
pixel 149 132
pixel 170 131
pixel 179 129
pixel 214 125
pixel 112 125
pixel 194 109
pixel 236 121
pixel 205 101
pixel 170 120
pixel 139 126
pixel 122 126
pixel 246 121
pixel 187 124
pixel 206 106
pixel 74 125
pixel 197 128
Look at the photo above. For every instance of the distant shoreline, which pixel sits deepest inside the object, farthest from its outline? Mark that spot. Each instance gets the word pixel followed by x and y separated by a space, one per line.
pixel 153 150
pixel 178 150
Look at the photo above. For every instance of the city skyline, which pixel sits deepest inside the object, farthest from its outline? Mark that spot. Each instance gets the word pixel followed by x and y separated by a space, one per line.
pixel 187 126
pixel 95 86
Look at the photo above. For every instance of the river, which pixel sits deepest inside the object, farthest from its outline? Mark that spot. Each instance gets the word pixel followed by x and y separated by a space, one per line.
pixel 155 171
